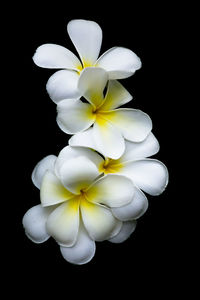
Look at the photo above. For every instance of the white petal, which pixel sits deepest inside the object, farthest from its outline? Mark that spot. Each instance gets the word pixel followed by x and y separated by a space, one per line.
pixel 69 152
pixel 78 173
pixel 111 190
pixel 134 124
pixel 82 251
pixel 116 96
pixel 119 62
pixel 84 139
pixel 99 221
pixel 150 175
pixel 108 139
pixel 63 223
pixel 45 164
pixel 34 222
pixel 133 210
pixel 86 37
pixel 74 116
pixel 53 56
pixel 52 191
pixel 135 151
pixel 63 85
pixel 91 85
pixel 126 230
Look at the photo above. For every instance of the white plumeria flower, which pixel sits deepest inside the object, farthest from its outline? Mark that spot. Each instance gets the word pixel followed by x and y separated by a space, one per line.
pixel 149 175
pixel 76 205
pixel 86 36
pixel 110 125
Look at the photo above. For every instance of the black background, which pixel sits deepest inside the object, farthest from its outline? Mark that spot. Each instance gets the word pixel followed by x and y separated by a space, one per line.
pixel 151 258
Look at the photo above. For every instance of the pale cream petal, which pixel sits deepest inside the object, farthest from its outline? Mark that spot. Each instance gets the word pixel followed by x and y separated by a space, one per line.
pixel 116 96
pixel 47 163
pixel 91 85
pixel 52 191
pixel 86 37
pixel 111 190
pixel 74 116
pixel 99 221
pixel 69 152
pixel 78 173
pixel 63 222
pixel 126 230
pixel 133 124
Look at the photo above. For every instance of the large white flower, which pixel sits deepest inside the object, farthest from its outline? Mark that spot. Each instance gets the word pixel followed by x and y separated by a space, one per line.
pixel 149 175
pixel 86 36
pixel 76 204
pixel 110 125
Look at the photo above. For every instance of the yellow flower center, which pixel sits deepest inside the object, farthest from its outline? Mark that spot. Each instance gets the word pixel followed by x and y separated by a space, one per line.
pixel 111 166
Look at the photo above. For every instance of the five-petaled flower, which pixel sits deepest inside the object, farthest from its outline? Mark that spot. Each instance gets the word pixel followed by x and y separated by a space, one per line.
pixel 76 205
pixel 110 125
pixel 86 36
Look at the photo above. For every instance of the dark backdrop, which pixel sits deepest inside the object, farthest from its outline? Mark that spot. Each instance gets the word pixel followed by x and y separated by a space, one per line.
pixel 151 257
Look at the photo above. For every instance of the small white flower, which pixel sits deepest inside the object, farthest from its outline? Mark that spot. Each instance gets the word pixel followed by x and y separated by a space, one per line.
pixel 149 175
pixel 76 205
pixel 86 36
pixel 110 125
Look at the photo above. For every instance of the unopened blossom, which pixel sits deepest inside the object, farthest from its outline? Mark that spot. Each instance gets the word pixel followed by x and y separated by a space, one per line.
pixel 76 205
pixel 86 36
pixel 110 124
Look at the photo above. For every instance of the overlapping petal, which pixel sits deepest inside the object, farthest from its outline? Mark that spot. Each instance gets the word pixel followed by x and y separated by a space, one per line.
pixel 82 251
pixel 40 169
pixel 74 116
pixel 133 210
pixel 78 173
pixel 99 221
pixel 63 85
pixel 52 191
pixel 134 124
pixel 111 190
pixel 119 62
pixel 91 85
pixel 63 223
pixel 150 175
pixel 126 230
pixel 34 222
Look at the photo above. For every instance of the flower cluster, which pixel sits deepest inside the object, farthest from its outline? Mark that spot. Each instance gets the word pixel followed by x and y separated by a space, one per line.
pixel 93 190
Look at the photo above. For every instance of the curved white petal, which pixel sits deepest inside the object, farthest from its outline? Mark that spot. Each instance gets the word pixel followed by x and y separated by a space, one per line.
pixel 135 151
pixel 86 37
pixel 84 139
pixel 63 223
pixel 99 221
pixel 53 56
pixel 78 173
pixel 63 85
pixel 111 190
pixel 74 116
pixel 119 62
pixel 82 251
pixel 34 222
pixel 126 230
pixel 52 191
pixel 91 85
pixel 69 152
pixel 108 139
pixel 133 210
pixel 47 163
pixel 116 96
pixel 134 124
pixel 150 175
